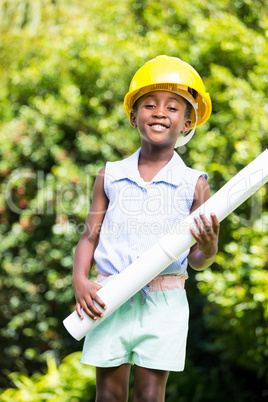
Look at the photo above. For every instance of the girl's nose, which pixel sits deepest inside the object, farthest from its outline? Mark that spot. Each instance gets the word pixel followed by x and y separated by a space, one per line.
pixel 159 112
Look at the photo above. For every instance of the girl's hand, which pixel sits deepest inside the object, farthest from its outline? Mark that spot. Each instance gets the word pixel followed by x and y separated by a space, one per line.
pixel 207 239
pixel 85 293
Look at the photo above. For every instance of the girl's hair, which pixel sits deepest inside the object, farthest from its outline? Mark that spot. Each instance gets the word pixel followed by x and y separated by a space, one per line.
pixel 189 107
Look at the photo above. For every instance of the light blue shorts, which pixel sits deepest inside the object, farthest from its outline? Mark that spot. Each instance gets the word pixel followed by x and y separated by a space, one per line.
pixel 148 335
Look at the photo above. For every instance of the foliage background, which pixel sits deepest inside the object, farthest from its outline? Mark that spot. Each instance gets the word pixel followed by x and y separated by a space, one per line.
pixel 65 68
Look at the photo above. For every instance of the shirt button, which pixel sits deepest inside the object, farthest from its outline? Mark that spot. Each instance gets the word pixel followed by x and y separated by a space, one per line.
pixel 134 246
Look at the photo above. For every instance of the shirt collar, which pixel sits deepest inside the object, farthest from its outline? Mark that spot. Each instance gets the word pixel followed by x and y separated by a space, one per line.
pixel 172 173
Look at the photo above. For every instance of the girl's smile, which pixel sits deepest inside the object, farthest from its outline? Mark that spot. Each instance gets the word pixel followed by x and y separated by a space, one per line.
pixel 160 112
pixel 158 127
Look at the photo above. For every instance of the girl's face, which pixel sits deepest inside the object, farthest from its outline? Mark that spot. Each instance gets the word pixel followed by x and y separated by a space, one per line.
pixel 160 117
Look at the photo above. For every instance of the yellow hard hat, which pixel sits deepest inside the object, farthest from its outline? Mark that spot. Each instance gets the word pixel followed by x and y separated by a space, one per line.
pixel 170 74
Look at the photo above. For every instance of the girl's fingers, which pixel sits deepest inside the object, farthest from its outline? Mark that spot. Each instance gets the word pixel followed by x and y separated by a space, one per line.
pixel 79 312
pixel 196 236
pixel 95 312
pixel 91 309
pixel 206 223
pixel 215 222
pixel 89 303
pixel 88 309
pixel 208 234
pixel 200 226
pixel 205 227
pixel 98 299
pixel 100 302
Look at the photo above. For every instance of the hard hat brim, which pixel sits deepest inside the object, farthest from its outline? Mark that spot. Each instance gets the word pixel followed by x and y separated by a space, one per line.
pixel 203 101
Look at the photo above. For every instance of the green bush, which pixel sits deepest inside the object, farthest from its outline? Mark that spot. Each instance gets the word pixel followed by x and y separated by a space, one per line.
pixel 69 382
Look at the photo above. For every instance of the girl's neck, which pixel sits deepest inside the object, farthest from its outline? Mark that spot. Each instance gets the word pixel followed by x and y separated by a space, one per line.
pixel 155 155
pixel 152 161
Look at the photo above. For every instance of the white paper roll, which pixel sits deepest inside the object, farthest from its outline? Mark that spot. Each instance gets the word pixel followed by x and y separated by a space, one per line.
pixel 124 285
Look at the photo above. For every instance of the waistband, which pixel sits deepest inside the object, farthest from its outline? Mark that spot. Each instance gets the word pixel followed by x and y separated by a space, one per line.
pixel 161 282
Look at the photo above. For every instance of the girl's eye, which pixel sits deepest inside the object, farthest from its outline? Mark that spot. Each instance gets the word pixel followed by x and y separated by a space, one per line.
pixel 172 109
pixel 149 106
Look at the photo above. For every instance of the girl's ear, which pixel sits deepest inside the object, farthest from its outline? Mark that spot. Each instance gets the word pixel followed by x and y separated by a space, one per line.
pixel 186 126
pixel 133 118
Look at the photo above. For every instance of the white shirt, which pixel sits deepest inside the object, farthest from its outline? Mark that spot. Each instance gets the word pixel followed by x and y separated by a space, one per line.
pixel 140 213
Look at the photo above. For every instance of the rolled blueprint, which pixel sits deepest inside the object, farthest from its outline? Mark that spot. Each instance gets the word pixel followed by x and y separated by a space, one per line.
pixel 123 286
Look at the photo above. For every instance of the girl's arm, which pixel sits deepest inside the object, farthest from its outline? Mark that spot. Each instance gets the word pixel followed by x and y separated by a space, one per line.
pixel 202 253
pixel 85 290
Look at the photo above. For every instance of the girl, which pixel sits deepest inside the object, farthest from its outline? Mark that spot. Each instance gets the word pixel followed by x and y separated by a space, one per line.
pixel 135 202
